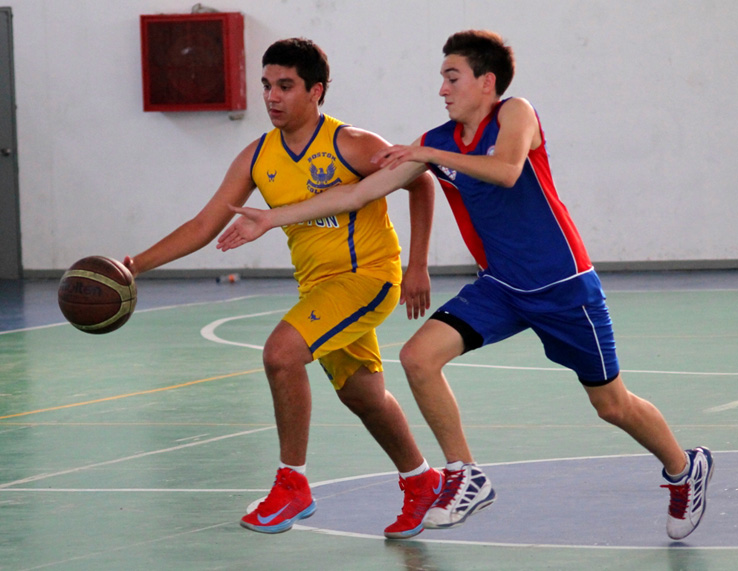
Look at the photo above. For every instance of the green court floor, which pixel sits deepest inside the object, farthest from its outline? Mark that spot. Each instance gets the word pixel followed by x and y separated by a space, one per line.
pixel 141 449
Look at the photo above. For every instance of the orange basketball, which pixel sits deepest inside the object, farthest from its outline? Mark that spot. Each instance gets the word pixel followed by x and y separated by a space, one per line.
pixel 97 294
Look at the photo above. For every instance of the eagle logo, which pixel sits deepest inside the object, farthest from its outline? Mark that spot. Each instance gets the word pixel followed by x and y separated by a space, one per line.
pixel 322 176
pixel 322 172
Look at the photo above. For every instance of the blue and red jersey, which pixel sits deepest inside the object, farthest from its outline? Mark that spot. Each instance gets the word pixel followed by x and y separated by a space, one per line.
pixel 522 236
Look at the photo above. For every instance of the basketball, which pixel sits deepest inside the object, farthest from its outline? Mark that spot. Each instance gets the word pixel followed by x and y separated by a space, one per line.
pixel 97 294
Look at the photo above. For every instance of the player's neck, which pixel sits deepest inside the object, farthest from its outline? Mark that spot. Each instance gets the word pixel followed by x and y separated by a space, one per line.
pixel 297 137
pixel 470 125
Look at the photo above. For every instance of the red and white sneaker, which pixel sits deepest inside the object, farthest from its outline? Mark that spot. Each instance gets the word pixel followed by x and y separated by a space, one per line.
pixel 289 501
pixel 689 494
pixel 420 493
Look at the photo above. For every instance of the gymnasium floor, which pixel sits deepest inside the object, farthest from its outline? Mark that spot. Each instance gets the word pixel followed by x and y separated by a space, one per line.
pixel 142 449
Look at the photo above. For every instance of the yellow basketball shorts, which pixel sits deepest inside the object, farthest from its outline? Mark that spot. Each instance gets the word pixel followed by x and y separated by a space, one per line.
pixel 337 318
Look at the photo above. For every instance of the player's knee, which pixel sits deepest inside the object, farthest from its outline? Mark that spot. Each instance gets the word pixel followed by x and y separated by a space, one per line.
pixel 608 413
pixel 278 356
pixel 271 356
pixel 285 349
pixel 416 364
pixel 408 359
pixel 614 403
pixel 611 410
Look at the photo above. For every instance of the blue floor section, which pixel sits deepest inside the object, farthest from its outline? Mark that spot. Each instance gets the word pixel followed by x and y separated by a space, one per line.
pixel 580 502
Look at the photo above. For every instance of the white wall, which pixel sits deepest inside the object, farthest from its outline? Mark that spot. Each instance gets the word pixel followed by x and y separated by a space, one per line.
pixel 638 100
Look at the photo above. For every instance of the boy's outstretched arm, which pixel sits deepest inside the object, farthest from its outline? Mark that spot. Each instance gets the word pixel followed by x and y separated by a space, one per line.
pixel 345 198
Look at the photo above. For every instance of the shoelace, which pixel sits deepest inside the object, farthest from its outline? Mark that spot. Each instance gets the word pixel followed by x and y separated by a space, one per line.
pixel 450 488
pixel 409 505
pixel 280 483
pixel 414 505
pixel 281 478
pixel 679 499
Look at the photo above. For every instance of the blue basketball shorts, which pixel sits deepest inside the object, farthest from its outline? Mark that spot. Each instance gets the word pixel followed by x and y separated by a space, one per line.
pixel 577 336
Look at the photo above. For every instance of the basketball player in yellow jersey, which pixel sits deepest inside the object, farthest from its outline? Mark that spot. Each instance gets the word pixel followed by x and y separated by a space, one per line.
pixel 362 242
pixel 349 275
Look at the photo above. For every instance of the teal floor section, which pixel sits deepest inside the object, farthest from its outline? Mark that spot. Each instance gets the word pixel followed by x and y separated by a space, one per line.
pixel 141 449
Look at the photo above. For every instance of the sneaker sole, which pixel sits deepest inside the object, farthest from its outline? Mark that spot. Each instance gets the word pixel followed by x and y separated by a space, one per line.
pixel 286 525
pixel 483 505
pixel 407 534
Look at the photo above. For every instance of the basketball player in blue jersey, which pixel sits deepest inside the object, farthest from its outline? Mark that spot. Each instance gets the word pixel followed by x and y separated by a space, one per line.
pixel 535 273
pixel 349 277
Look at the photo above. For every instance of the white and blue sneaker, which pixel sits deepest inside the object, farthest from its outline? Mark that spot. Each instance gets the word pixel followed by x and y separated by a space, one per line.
pixel 689 494
pixel 465 492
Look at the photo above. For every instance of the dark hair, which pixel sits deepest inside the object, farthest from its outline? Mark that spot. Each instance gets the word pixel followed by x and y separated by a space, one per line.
pixel 486 52
pixel 306 57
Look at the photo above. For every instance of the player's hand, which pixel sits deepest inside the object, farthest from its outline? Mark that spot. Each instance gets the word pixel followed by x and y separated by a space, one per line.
pixel 397 154
pixel 246 228
pixel 130 264
pixel 415 291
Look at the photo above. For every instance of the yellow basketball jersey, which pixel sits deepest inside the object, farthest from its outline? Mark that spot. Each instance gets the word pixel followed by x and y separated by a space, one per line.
pixel 363 241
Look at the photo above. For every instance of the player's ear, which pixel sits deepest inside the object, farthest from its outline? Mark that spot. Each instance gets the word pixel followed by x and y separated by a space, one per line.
pixel 316 91
pixel 489 83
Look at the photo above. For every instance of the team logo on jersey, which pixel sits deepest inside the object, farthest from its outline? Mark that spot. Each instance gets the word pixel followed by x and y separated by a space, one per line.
pixel 271 175
pixel 491 151
pixel 451 174
pixel 322 172
pixel 313 317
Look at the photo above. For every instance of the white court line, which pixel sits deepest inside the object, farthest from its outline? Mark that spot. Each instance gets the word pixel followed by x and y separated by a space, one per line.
pixel 196 303
pixel 302 527
pixel 695 373
pixel 36 327
pixel 208 332
pixel 197 436
pixel 723 407
pixel 134 457
pixel 147 310
pixel 565 370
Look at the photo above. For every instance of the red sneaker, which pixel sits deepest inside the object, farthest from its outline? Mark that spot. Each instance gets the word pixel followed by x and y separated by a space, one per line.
pixel 289 501
pixel 420 493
